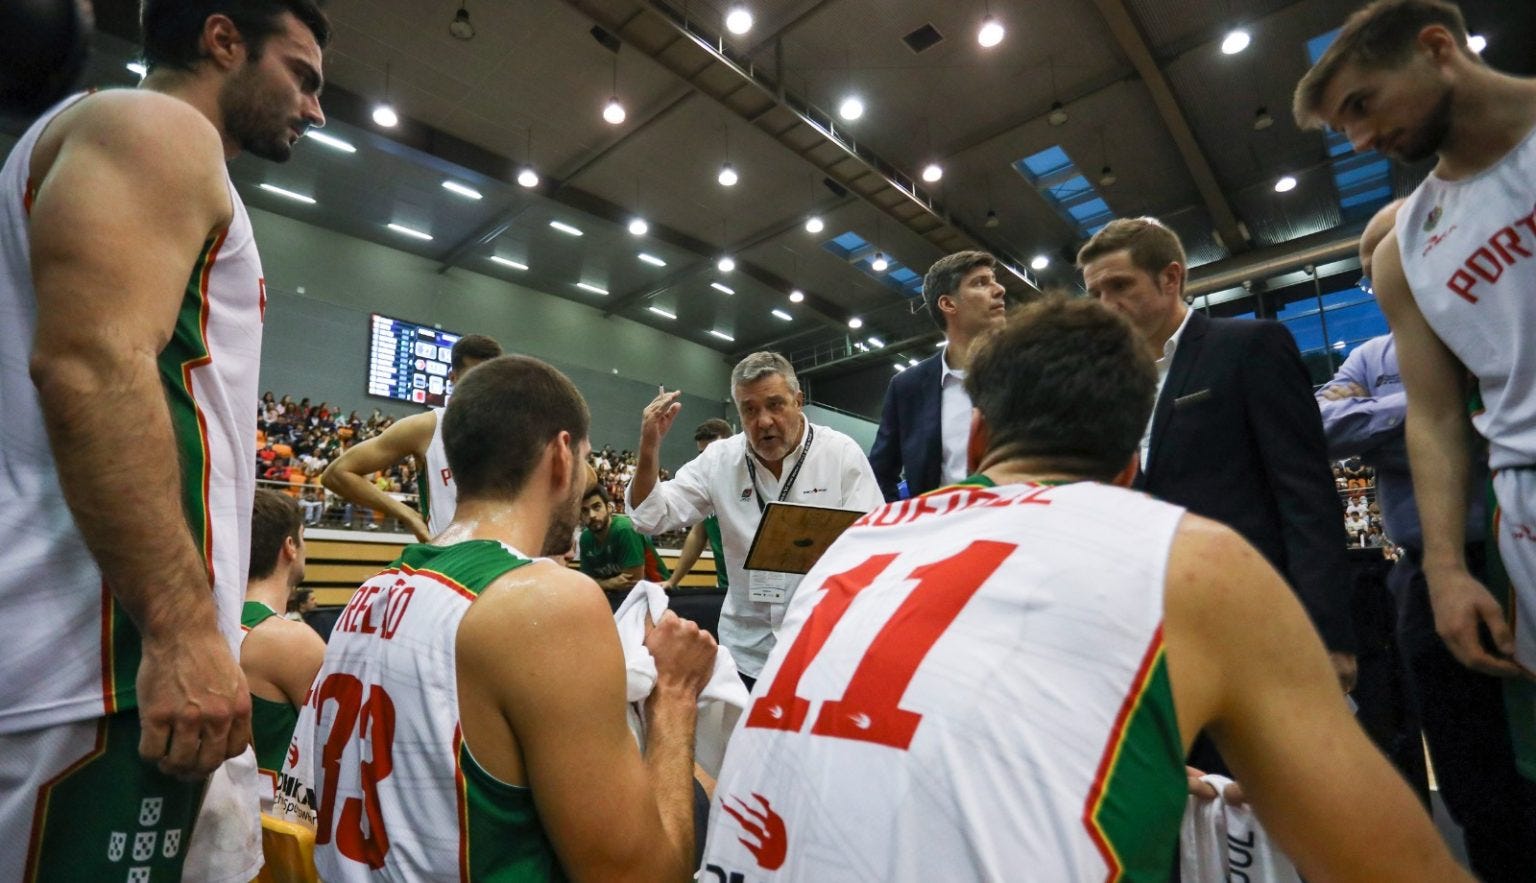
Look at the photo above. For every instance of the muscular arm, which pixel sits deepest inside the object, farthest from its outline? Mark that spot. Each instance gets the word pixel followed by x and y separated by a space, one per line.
pixel 693 547
pixel 129 197
pixel 1246 665
pixel 280 658
pixel 559 728
pixel 347 475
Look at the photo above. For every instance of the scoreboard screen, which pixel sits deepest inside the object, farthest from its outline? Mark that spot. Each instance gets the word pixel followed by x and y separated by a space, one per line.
pixel 409 362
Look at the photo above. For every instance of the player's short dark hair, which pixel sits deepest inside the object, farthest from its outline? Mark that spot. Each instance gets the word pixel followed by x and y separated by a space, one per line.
pixel 473 346
pixel 597 490
pixel 172 30
pixel 1151 245
pixel 712 429
pixel 945 276
pixel 1068 382
pixel 274 517
pixel 501 417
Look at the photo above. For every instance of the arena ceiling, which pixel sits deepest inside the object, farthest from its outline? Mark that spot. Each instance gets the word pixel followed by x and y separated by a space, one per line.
pixel 1144 87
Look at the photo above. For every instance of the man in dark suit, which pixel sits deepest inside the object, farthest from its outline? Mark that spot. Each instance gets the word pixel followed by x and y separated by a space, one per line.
pixel 1236 435
pixel 926 421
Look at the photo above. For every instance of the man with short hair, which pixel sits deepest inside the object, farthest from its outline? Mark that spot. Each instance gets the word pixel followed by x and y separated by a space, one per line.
pixel 708 530
pixel 972 685
pixel 1235 435
pixel 130 284
pixel 612 552
pixel 279 656
pixel 927 412
pixel 779 455
pixel 429 751
pixel 418 436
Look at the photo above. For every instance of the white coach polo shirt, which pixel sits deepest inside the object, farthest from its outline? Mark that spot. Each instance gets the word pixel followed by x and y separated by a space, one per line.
pixel 835 473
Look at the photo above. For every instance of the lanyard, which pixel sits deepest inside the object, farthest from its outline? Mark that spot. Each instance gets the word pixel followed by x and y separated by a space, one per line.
pixel 810 435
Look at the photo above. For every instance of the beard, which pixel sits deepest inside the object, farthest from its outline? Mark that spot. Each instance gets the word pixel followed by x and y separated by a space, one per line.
pixel 1431 135
pixel 562 526
pixel 249 118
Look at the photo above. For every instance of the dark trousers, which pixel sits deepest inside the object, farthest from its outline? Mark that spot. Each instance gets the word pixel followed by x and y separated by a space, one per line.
pixel 1462 713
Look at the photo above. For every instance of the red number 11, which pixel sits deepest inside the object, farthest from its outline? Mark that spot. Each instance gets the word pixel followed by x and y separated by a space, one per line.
pixel 868 711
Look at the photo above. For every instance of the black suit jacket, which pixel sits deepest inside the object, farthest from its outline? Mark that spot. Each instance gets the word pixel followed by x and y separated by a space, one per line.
pixel 909 440
pixel 1237 437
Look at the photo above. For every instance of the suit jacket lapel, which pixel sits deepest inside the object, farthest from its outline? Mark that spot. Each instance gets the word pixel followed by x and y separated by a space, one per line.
pixel 931 417
pixel 1179 374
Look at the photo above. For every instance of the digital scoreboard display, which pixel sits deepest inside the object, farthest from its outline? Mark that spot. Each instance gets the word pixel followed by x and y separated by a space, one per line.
pixel 409 362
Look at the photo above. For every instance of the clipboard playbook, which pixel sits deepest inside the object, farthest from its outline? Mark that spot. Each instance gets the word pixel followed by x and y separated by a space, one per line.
pixel 791 537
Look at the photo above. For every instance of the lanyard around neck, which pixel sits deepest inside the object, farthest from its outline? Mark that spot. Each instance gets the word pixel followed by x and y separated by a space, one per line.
pixel 805 451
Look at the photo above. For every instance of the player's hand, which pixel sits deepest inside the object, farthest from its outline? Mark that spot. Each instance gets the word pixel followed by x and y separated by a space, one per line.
pixel 1347 667
pixel 1461 603
pixel 419 528
pixel 657 417
pixel 194 705
pixel 684 654
pixel 1203 790
pixel 1343 391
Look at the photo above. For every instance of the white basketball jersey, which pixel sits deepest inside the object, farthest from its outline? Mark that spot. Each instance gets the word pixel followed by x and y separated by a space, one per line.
pixel 970 685
pixel 1469 251
pixel 68 650
pixel 434 483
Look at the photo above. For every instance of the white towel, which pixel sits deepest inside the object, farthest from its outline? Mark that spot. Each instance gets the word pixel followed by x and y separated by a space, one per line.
pixel 1222 842
pixel 720 704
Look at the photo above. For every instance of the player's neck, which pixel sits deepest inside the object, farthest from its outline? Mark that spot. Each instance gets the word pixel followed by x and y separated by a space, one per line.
pixel 198 91
pixel 522 524
pixel 272 591
pixel 1490 117
pixel 1028 470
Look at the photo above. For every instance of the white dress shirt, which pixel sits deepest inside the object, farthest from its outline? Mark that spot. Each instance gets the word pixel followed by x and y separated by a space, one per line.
pixel 954 422
pixel 836 474
pixel 1163 364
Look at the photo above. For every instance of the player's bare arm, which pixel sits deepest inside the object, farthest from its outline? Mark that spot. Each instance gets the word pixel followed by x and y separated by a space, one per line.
pixel 1247 666
pixel 535 719
pixel 280 658
pixel 1439 435
pixel 347 476
pixel 693 548
pixel 144 173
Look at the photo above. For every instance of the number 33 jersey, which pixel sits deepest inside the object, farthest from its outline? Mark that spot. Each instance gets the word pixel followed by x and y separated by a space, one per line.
pixel 970 685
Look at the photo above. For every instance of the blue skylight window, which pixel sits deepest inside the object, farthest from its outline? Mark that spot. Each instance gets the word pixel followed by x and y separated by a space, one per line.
pixel 858 251
pixel 1058 179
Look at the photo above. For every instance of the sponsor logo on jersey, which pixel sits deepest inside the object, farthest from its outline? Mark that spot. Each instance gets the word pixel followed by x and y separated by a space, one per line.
pixel 293 753
pixel 815 490
pixel 770 839
pixel 1435 240
pixel 746 493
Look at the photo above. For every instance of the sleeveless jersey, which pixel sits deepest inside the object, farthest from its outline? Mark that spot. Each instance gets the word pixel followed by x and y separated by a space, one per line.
pixel 969 685
pixel 378 755
pixel 1469 252
pixel 434 482
pixel 68 649
pixel 271 721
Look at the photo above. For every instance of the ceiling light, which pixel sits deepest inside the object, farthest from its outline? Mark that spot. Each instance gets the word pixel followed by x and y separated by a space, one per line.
pixel 941 344
pixel 460 26
pixel 613 111
pixel 329 141
pixel 1262 120
pixel 814 224
pixel 1107 177
pixel 1039 263
pixel 722 335
pixel 992 219
pixel 991 32
pixel 142 71
pixel 722 288
pixel 900 367
pixel 783 315
pixel 528 177
pixel 726 264
pixel 1285 184
pixel 911 363
pixel 879 264
pixel 1476 42
pixel 796 296
pixel 460 189
pixel 565 228
pixel 639 227
pixel 861 346
pixel 652 260
pixel 727 176
pixel 1236 41
pixel 876 342
pixel 385 115
pixel 739 20
pixel 592 288
pixel 508 262
pixel 933 172
pixel 409 231
pixel 660 312
pixel 296 197
pixel 1058 114
pixel 855 323
pixel 851 108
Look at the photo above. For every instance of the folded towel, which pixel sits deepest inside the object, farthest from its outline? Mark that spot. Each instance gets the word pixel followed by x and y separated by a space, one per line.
pixel 1223 842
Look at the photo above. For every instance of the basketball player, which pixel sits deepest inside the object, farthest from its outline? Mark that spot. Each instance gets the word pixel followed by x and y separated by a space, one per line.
pixel 131 297
pixel 1456 280
pixel 974 685
pixel 468 721
pixel 419 436
pixel 279 656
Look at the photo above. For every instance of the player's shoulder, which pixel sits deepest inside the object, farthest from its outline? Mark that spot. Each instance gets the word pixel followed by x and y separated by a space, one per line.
pixel 1197 543
pixel 543 595
pixel 276 642
pixel 143 122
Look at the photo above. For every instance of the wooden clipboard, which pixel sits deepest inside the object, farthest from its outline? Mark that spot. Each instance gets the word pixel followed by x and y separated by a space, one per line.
pixel 792 537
